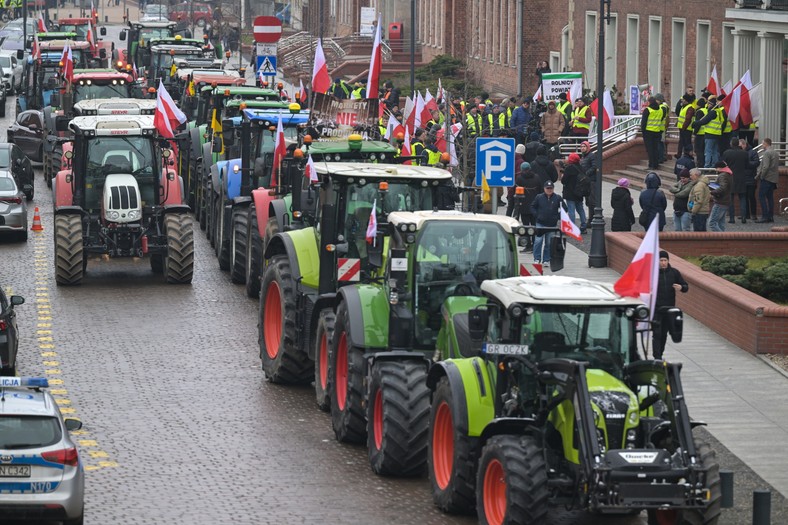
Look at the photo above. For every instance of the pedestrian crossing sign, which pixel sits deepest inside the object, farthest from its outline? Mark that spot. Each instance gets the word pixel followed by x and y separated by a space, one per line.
pixel 266 64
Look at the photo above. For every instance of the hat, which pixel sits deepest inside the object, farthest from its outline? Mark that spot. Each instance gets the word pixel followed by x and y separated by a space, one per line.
pixel 623 182
pixel 549 184
pixel 660 97
pixel 520 149
pixel 482 106
pixel 721 97
pixel 525 166
pixel 688 148
pixel 722 166
pixel 684 174
pixel 663 254
pixel 534 136
pixel 562 96
pixel 586 143
pixel 573 158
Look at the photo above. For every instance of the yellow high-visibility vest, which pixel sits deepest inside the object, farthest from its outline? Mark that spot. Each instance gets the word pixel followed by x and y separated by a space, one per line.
pixel 654 121
pixel 683 116
pixel 699 114
pixel 581 112
pixel 715 126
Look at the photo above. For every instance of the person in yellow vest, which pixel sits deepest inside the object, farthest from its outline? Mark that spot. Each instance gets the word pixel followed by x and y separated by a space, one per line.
pixel 431 150
pixel 684 123
pixel 650 127
pixel 580 123
pixel 663 126
pixel 417 147
pixel 565 108
pixel 497 124
pixel 511 105
pixel 473 122
pixel 699 133
pixel 714 124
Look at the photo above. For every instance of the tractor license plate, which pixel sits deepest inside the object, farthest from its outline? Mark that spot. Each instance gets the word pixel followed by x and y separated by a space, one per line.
pixel 14 471
pixel 504 349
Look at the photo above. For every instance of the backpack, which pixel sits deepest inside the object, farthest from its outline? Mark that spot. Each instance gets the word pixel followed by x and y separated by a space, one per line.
pixel 583 185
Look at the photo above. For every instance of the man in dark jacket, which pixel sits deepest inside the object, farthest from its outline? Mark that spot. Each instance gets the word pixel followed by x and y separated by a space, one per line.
pixel 685 162
pixel 650 127
pixel 653 201
pixel 721 196
pixel 670 281
pixel 682 218
pixel 546 211
pixel 738 161
pixel 588 167
pixel 543 167
pixel 531 187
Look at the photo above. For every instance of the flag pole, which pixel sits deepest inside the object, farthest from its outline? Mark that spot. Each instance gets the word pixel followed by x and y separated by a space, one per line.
pixel 597 255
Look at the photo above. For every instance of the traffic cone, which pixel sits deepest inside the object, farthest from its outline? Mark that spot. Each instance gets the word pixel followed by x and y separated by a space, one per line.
pixel 37 222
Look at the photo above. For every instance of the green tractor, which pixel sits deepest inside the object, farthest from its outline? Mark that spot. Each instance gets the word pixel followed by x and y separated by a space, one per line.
pixel 387 332
pixel 302 265
pixel 549 405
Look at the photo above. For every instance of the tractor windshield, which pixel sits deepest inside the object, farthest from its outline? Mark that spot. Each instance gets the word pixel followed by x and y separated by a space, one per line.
pixel 602 336
pixel 149 33
pixel 80 30
pixel 453 258
pixel 113 89
pixel 134 155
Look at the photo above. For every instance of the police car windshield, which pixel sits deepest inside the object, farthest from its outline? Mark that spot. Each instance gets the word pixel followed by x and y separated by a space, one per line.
pixel 87 92
pixel 17 432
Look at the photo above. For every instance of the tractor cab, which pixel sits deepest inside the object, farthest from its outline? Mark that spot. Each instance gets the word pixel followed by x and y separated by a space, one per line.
pixel 80 51
pixel 101 84
pixel 47 36
pixel 138 37
pixel 351 149
pixel 80 27
pixel 162 61
pixel 42 79
pixel 193 81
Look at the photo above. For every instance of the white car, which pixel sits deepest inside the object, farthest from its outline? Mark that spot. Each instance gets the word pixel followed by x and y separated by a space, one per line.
pixel 13 71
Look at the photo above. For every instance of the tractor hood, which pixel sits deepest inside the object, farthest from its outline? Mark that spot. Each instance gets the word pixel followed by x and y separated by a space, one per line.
pixel 613 401
pixel 121 200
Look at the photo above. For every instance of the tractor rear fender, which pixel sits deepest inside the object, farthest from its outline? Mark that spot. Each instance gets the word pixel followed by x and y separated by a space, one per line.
pixel 279 208
pixel 517 426
pixel 232 178
pixel 453 337
pixel 328 301
pixel 217 170
pixel 69 210
pixel 196 142
pixel 472 390
pixel 282 244
pixel 397 355
pixel 368 307
pixel 171 188
pixel 242 202
pixel 300 246
pixel 169 209
pixel 262 205
pixel 64 195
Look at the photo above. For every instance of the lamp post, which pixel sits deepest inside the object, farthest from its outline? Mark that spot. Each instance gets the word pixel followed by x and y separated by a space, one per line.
pixel 412 46
pixel 597 255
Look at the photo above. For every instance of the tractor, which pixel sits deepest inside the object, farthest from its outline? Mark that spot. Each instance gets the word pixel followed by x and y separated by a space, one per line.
pixel 138 37
pixel 547 403
pixel 388 330
pixel 86 29
pixel 162 61
pixel 119 196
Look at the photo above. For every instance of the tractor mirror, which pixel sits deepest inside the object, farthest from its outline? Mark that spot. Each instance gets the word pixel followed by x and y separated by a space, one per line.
pixel 217 144
pixel 674 318
pixel 122 36
pixel 229 136
pixel 61 123
pixel 103 31
pixel 375 252
pixel 16 300
pixel 20 54
pixel 478 319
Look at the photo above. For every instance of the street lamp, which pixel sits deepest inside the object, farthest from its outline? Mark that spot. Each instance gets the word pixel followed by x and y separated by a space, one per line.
pixel 597 256
pixel 413 46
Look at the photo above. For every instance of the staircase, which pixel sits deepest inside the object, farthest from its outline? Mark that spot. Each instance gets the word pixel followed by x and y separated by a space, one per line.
pixel 636 173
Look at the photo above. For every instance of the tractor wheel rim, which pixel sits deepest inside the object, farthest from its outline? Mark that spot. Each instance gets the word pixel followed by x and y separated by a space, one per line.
pixel 323 360
pixel 494 495
pixel 443 446
pixel 273 320
pixel 341 372
pixel 377 419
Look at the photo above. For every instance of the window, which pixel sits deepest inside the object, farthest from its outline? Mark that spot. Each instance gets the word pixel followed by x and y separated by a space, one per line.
pixel 555 61
pixel 633 51
pixel 611 52
pixel 703 51
pixel 564 49
pixel 590 50
pixel 655 52
pixel 22 432
pixel 726 68
pixel 677 52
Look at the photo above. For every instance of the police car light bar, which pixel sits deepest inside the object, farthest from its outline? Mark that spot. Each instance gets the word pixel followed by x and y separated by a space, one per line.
pixel 29 382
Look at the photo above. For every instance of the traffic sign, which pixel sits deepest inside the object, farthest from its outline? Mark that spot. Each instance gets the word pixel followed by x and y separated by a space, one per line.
pixel 265 49
pixel 267 29
pixel 266 65
pixel 495 158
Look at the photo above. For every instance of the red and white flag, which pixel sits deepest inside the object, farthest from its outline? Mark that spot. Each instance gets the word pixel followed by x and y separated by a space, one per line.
pixel 714 84
pixel 321 81
pixel 568 227
pixel 455 130
pixel 372 225
pixel 727 88
pixel 408 109
pixel 280 150
pixel 405 151
pixel 430 104
pixel 538 94
pixel 607 110
pixel 375 64
pixel 168 116
pixel 301 91
pixel 756 103
pixel 93 11
pixel 90 38
pixel 642 275
pixel 745 105
pixel 392 128
pixel 42 27
pixel 68 64
pixel 36 51
pixel 310 170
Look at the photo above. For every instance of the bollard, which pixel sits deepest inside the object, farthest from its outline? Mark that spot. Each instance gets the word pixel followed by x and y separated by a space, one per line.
pixel 106 18
pixel 726 487
pixel 761 507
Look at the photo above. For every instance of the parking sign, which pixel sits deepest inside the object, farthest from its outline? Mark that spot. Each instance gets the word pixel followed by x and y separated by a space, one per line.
pixel 495 159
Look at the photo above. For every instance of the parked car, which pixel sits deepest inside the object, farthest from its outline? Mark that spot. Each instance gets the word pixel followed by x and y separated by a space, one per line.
pixel 199 14
pixel 27 132
pixel 9 336
pixel 13 71
pixel 13 159
pixel 13 207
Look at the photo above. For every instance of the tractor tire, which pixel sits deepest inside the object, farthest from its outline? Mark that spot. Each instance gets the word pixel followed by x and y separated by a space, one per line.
pixel 240 225
pixel 56 164
pixel 69 258
pixel 222 236
pixel 511 482
pixel 179 260
pixel 324 338
pixel 283 360
pixel 398 412
pixel 708 516
pixel 254 256
pixel 200 212
pixel 209 213
pixel 157 263
pixel 347 383
pixel 450 457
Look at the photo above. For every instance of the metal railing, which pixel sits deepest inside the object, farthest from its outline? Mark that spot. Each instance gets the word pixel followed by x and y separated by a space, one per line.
pixel 780 147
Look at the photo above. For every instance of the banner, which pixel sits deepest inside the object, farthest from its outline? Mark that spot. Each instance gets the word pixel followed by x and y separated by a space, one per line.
pixel 553 84
pixel 634 100
pixel 333 117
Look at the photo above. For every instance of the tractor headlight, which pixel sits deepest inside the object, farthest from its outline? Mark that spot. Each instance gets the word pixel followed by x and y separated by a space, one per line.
pixel 403 227
pixel 521 230
pixel 134 214
pixel 633 417
pixel 113 215
pixel 517 311
pixel 382 156
pixel 641 312
pixel 411 227
pixel 410 238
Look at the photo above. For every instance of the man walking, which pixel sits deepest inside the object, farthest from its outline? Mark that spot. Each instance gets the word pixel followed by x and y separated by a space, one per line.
pixel 670 281
pixel 768 175
pixel 721 194
pixel 546 212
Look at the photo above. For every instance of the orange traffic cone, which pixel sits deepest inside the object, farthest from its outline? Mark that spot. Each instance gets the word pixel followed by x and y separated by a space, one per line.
pixel 37 222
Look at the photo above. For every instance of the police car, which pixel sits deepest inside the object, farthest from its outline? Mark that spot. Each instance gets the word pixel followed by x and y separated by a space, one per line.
pixel 41 474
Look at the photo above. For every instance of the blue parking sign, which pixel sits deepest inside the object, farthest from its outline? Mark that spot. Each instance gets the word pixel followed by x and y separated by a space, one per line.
pixel 495 159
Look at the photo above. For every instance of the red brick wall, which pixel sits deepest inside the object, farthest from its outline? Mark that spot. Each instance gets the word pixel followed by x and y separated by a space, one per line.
pixel 692 244
pixel 742 317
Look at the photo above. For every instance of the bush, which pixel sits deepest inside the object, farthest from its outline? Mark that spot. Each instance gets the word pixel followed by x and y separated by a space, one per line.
pixel 723 265
pixel 775 282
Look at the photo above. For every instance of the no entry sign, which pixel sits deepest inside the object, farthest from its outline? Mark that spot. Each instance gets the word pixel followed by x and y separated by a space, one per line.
pixel 267 29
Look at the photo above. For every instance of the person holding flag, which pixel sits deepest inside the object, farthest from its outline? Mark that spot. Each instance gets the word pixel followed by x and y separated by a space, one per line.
pixel 669 282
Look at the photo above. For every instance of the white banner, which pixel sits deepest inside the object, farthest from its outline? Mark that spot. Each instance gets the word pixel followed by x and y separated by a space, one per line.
pixel 553 84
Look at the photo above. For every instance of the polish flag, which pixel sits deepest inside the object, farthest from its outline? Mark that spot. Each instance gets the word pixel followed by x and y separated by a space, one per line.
pixel 280 150
pixel 568 227
pixel 455 130
pixel 375 64
pixel 642 275
pixel 607 110
pixel 260 77
pixel 42 28
pixel 732 105
pixel 36 51
pixel 93 11
pixel 745 104
pixel 89 37
pixel 321 81
pixel 310 170
pixel 408 109
pixel 372 225
pixel 419 112
pixel 392 128
pixel 727 88
pixel 756 102
pixel 538 94
pixel 167 117
pixel 429 105
pixel 301 91
pixel 68 64
pixel 714 84
pixel 405 151
pixel 440 95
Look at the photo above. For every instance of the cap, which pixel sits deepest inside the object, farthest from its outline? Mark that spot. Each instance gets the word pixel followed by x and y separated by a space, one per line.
pixel 623 182
pixel 573 158
pixel 684 174
pixel 525 166
pixel 520 149
pixel 534 136
pixel 663 254
pixel 549 184
pixel 688 148
pixel 562 96
pixel 660 97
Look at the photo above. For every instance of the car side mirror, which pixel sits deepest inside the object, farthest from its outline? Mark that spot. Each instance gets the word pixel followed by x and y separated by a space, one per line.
pixel 103 31
pixel 16 300
pixel 121 37
pixel 72 424
pixel 478 320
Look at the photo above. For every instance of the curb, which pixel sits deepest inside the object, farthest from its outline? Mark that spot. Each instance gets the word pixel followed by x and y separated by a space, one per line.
pixel 769 362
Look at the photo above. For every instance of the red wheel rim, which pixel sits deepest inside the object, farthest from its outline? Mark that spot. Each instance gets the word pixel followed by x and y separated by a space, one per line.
pixel 494 494
pixel 272 328
pixel 341 371
pixel 443 445
pixel 377 419
pixel 323 357
pixel 667 517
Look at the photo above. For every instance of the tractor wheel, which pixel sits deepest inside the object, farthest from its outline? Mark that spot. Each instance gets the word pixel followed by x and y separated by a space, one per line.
pixel 324 338
pixel 179 260
pixel 223 236
pixel 56 163
pixel 450 462
pixel 208 210
pixel 708 516
pixel 283 360
pixel 201 212
pixel 511 482
pixel 238 246
pixel 254 256
pixel 157 263
pixel 271 229
pixel 69 263
pixel 398 412
pixel 347 383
